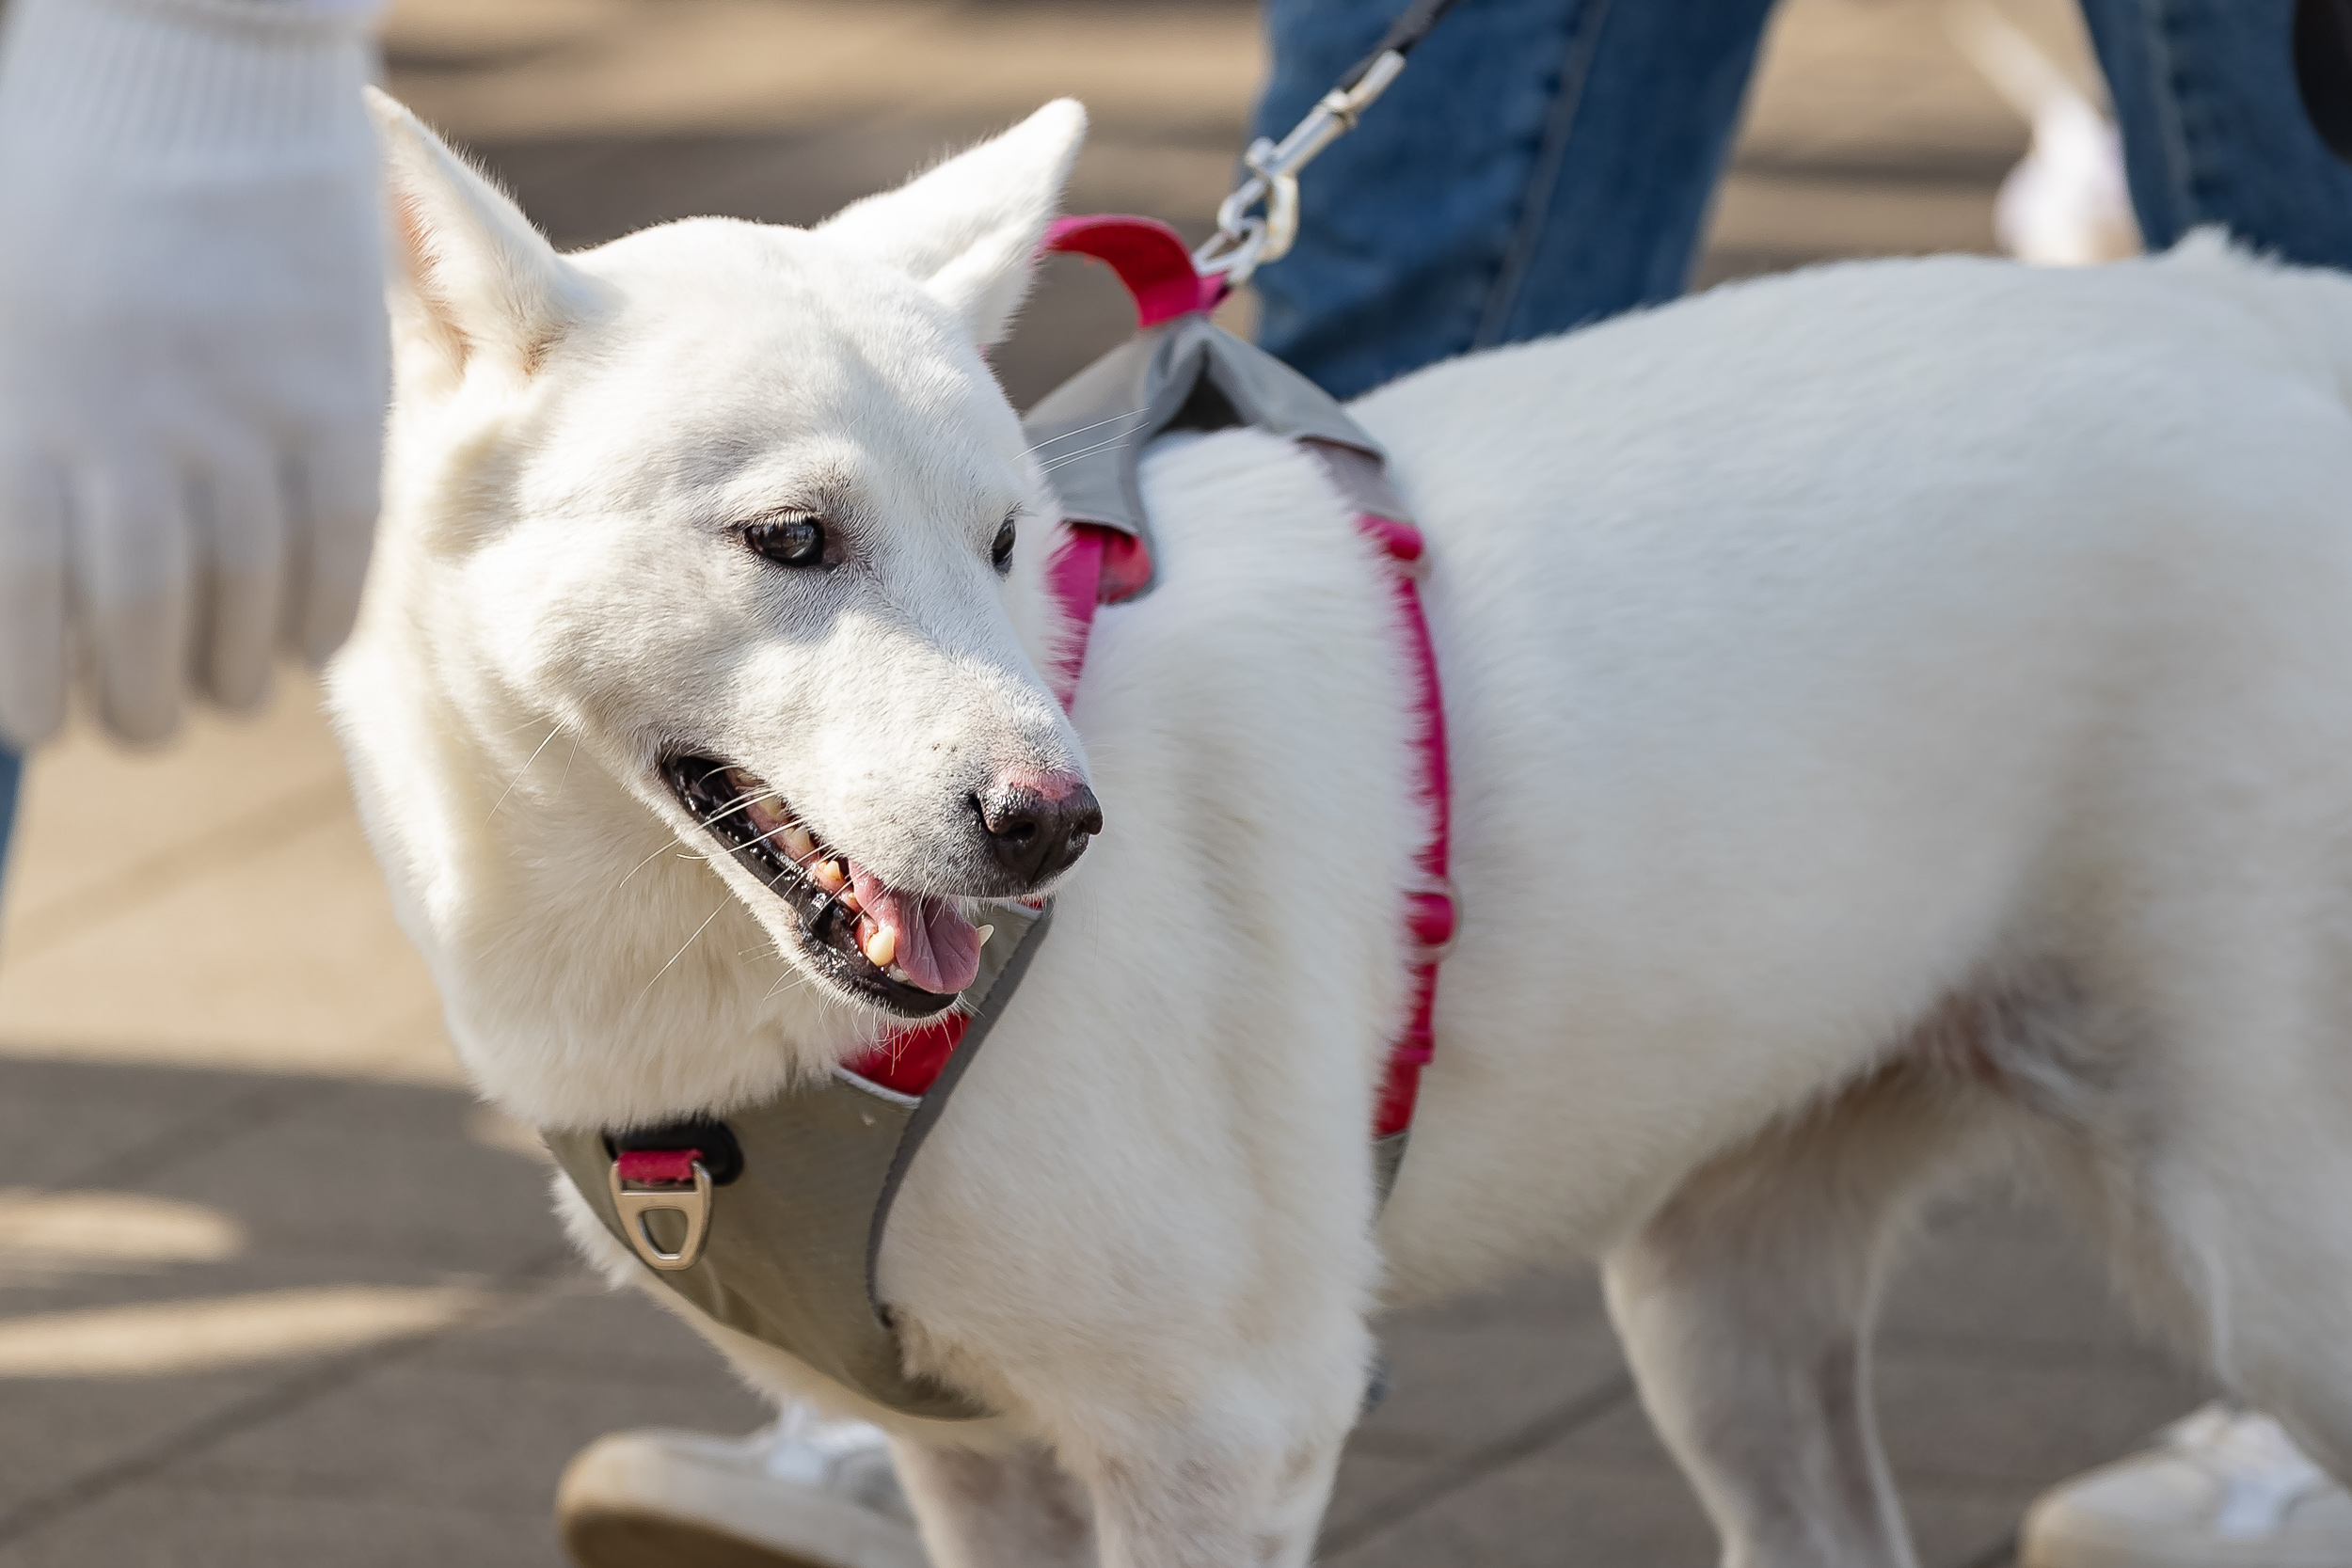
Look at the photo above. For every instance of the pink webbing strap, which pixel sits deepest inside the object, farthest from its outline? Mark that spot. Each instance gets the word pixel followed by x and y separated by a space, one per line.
pixel 1150 259
pixel 668 1166
pixel 1430 915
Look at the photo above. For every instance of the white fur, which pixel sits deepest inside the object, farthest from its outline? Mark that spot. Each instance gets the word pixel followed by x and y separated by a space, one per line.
pixel 1900 713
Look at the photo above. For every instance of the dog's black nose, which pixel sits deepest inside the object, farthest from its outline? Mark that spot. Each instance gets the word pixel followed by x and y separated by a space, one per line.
pixel 1037 823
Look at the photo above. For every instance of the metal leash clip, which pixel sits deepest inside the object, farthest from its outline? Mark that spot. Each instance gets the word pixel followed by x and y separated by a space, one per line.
pixel 1244 239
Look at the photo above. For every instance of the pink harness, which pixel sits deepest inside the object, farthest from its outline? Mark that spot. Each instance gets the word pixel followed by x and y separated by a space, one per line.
pixel 1103 566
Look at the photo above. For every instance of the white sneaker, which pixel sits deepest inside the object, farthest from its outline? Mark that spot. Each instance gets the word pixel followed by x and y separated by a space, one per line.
pixel 2223 1488
pixel 802 1493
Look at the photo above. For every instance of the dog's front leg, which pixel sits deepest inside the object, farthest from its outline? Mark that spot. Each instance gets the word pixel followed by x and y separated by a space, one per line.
pixel 1203 1499
pixel 1020 1510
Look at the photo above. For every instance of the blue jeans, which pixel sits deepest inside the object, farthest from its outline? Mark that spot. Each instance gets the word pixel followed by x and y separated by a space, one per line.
pixel 1547 163
pixel 11 769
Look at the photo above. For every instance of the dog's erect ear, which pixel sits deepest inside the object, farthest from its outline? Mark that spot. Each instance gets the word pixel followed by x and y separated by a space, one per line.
pixel 471 276
pixel 968 230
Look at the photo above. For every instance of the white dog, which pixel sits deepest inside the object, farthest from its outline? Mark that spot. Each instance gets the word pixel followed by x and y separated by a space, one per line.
pixel 1901 717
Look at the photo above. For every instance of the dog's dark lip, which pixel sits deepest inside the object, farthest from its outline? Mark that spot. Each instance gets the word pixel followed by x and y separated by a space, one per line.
pixel 828 942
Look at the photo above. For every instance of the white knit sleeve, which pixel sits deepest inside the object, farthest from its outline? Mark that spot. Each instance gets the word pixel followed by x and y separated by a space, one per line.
pixel 204 77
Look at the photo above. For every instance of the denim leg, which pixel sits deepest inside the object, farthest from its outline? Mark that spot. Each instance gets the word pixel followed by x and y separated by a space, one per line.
pixel 11 769
pixel 2213 128
pixel 1540 164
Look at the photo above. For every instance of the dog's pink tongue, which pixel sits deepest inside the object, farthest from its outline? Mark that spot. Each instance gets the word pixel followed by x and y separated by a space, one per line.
pixel 938 948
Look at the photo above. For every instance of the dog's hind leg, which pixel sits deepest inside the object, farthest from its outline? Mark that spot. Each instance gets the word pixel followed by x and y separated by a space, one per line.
pixel 997 1511
pixel 2223 1189
pixel 1745 1305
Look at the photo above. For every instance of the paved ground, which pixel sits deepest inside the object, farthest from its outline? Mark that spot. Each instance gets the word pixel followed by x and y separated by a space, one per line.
pixel 273 1290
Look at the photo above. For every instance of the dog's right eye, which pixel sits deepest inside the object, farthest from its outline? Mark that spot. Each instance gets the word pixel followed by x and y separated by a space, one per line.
pixel 788 541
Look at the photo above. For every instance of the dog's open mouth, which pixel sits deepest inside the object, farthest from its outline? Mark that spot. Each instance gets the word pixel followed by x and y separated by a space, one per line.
pixel 907 951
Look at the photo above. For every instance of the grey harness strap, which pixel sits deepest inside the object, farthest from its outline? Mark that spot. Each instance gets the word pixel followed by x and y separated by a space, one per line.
pixel 1187 375
pixel 786 1250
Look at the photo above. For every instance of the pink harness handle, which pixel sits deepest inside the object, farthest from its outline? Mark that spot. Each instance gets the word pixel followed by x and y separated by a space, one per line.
pixel 1150 259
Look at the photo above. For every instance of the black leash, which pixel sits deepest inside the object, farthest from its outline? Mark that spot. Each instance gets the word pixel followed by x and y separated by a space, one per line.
pixel 1403 34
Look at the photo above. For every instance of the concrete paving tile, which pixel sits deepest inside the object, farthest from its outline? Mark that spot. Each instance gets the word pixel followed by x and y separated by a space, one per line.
pixel 565 67
pixel 99 1284
pixel 57 1432
pixel 1551 1299
pixel 1997 1275
pixel 288 960
pixel 1971 1442
pixel 65 1124
pixel 1959 1528
pixel 1953 1523
pixel 1972 1422
pixel 73 1088
pixel 467 1438
pixel 215 1526
pixel 1887 85
pixel 1975 1423
pixel 1368 1482
pixel 384 1169
pixel 579 1329
pixel 1457 1389
pixel 1988 1420
pixel 1551 1511
pixel 100 825
pixel 1801 220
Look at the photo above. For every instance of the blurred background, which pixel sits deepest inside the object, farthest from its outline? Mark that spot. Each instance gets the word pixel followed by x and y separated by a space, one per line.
pixel 275 1289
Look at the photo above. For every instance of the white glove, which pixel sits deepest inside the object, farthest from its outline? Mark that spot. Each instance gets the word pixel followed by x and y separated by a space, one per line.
pixel 193 349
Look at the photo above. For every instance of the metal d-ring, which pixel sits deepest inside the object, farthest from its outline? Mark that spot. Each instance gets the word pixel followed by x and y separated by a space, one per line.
pixel 633 1204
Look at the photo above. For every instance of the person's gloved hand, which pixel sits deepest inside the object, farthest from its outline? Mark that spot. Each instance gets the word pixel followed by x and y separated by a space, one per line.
pixel 193 349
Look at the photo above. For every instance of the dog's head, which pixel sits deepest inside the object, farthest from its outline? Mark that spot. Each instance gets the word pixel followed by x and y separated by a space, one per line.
pixel 742 508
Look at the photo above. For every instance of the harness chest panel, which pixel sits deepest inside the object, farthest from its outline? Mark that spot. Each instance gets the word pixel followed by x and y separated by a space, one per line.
pixel 792 1240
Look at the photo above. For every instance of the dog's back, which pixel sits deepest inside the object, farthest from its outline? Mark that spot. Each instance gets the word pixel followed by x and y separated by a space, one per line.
pixel 1903 717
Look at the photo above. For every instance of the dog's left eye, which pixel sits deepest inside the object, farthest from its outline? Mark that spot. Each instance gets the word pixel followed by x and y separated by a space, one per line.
pixel 1000 553
pixel 788 541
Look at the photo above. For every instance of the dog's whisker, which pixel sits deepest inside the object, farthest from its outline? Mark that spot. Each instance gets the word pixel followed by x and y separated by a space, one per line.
pixel 1070 457
pixel 659 851
pixel 1056 440
pixel 569 757
pixel 1059 458
pixel 797 979
pixel 526 767
pixel 745 802
pixel 681 952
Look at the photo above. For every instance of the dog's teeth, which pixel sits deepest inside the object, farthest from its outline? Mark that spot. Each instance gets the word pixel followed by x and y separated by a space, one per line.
pixel 985 933
pixel 897 974
pixel 798 843
pixel 829 876
pixel 881 948
pixel 847 900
